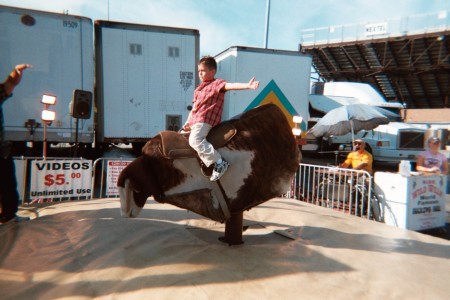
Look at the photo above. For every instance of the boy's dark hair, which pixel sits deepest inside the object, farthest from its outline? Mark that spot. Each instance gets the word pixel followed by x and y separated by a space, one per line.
pixel 208 61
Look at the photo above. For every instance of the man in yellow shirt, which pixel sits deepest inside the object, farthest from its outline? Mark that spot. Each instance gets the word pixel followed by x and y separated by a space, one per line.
pixel 360 159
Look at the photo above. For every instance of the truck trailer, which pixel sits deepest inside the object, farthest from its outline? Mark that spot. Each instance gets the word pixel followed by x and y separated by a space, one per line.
pixel 60 49
pixel 141 80
pixel 145 80
pixel 283 76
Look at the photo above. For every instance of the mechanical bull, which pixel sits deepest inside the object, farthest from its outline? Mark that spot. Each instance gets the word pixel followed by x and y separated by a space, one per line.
pixel 263 157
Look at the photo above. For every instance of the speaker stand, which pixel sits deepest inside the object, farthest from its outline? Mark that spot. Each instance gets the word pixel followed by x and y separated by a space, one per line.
pixel 76 138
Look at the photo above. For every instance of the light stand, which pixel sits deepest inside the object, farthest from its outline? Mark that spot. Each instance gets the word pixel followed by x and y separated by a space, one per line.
pixel 47 117
pixel 297 132
pixel 75 153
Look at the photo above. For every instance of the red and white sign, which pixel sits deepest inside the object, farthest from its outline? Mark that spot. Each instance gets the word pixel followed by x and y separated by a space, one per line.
pixel 114 167
pixel 60 178
pixel 427 209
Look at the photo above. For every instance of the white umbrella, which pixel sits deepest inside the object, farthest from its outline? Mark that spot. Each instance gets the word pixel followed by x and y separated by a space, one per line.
pixel 351 118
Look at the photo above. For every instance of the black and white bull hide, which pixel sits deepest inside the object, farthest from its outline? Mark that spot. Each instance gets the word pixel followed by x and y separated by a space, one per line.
pixel 263 157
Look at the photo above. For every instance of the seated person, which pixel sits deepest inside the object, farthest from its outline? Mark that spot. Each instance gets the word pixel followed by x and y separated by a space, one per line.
pixel 360 159
pixel 432 161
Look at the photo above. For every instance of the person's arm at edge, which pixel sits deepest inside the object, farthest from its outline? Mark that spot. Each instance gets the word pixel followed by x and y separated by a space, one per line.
pixel 346 162
pixel 445 167
pixel 343 165
pixel 361 166
pixel 14 78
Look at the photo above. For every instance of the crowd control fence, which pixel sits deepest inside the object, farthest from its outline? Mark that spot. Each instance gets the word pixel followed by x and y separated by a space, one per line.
pixel 105 175
pixel 346 190
pixel 58 179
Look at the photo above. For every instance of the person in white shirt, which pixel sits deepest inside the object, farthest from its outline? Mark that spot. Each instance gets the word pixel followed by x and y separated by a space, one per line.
pixel 432 161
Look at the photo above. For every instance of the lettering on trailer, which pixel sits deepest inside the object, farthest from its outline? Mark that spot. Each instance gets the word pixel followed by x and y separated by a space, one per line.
pixel 273 94
pixel 70 24
pixel 186 79
pixel 61 178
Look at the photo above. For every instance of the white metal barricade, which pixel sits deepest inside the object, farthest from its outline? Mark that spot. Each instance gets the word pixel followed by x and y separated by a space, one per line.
pixel 346 190
pixel 105 176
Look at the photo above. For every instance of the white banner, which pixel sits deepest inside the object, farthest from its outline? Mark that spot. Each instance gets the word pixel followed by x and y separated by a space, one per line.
pixel 376 29
pixel 60 178
pixel 114 167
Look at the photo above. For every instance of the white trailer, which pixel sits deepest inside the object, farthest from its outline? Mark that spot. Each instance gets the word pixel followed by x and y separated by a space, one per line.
pixel 145 79
pixel 283 76
pixel 60 48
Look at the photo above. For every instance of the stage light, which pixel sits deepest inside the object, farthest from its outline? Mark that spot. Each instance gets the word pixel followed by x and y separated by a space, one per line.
pixel 296 131
pixel 48 115
pixel 297 119
pixel 48 99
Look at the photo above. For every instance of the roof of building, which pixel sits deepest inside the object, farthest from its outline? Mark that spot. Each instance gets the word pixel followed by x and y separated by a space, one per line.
pixel 409 66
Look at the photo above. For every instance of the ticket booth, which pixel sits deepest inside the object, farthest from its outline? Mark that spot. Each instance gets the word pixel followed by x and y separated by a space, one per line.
pixel 412 202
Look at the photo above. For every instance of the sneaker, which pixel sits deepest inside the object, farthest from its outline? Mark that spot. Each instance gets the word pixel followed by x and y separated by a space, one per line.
pixel 21 219
pixel 219 170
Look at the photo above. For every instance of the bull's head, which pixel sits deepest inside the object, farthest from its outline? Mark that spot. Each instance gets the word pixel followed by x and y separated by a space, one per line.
pixel 135 185
pixel 148 175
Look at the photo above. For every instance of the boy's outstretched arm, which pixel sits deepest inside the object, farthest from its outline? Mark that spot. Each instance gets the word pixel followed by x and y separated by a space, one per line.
pixel 251 85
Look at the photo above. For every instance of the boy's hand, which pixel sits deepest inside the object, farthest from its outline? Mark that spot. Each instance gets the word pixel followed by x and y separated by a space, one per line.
pixel 186 127
pixel 253 84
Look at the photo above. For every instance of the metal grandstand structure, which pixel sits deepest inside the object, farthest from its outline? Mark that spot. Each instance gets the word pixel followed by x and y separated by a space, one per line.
pixel 406 59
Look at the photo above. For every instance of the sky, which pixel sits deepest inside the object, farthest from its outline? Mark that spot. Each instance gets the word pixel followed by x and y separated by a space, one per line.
pixel 226 23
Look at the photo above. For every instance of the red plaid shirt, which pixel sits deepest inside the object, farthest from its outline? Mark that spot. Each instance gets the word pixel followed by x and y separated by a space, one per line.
pixel 208 103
